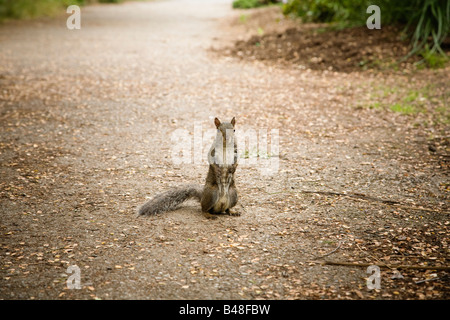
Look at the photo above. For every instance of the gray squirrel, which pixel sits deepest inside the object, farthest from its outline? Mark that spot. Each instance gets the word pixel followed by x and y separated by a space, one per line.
pixel 219 193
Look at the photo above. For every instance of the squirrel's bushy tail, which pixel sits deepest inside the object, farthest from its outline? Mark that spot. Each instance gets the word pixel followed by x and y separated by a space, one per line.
pixel 170 200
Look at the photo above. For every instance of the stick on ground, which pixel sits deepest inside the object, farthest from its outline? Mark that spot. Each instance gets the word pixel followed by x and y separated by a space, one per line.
pixel 382 265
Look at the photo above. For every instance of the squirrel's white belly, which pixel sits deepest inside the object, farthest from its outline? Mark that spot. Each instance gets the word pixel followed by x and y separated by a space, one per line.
pixel 222 204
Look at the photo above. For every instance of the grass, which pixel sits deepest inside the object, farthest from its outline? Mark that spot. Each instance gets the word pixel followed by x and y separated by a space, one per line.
pixel 375 105
pixel 432 59
pixel 28 9
pixel 409 104
pixel 427 22
pixel 412 102
pixel 243 18
pixel 411 96
pixel 404 108
pixel 248 4
pixel 429 101
pixel 443 114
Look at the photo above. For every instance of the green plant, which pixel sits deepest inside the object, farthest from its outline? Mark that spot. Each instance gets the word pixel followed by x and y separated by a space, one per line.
pixel 429 19
pixel 404 108
pixel 427 22
pixel 411 97
pixel 348 11
pixel 432 59
pixel 443 114
pixel 375 105
pixel 26 9
pixel 428 100
pixel 247 4
pixel 243 18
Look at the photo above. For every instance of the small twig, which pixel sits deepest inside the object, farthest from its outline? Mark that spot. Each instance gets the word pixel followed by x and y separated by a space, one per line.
pixel 371 255
pixel 359 196
pixel 352 195
pixel 382 265
pixel 331 252
pixel 245 210
pixel 426 280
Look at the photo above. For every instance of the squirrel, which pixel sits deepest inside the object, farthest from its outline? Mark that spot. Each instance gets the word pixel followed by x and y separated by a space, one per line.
pixel 219 193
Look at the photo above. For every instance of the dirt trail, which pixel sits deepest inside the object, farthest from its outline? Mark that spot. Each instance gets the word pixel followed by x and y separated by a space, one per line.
pixel 86 120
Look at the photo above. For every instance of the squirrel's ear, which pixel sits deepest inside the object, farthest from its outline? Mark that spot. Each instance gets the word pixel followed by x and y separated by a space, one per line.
pixel 217 123
pixel 233 121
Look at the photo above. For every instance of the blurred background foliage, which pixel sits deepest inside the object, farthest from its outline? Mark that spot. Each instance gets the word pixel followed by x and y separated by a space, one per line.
pixel 247 4
pixel 427 22
pixel 25 9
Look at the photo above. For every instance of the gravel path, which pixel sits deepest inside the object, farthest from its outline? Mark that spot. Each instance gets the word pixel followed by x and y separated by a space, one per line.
pixel 86 123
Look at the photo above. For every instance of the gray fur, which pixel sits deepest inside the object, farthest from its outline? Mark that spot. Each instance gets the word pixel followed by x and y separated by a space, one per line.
pixel 219 193
pixel 170 200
